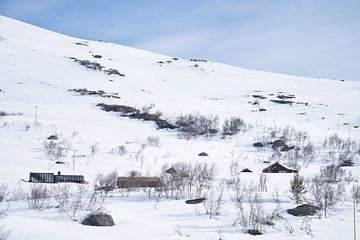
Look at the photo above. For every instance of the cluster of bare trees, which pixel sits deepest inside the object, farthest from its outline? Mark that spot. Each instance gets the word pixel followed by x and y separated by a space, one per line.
pixel 182 180
pixel 249 205
pixel 193 125
pixel 339 151
pixel 234 125
pixel 4 193
pixel 56 149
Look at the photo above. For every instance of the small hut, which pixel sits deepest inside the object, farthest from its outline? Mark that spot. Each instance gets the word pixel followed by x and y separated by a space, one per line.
pixel 246 170
pixel 279 168
pixel 135 182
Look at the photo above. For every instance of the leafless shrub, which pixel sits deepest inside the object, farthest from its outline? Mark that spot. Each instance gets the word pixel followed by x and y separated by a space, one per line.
pixel 214 201
pixel 57 149
pixel 71 202
pixel 193 125
pixel 355 193
pixel 147 108
pixel 3 233
pixel 106 181
pixel 134 173
pixel 153 141
pixel 4 192
pixel 249 204
pixel 306 226
pixel 121 150
pixel 94 149
pixel 17 193
pixel 344 152
pixel 234 125
pixel 275 195
pixel 189 180
pixel 332 173
pixel 323 194
pixel 97 201
pixel 37 196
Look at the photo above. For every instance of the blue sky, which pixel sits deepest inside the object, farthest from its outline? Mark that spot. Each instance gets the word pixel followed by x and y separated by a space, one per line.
pixel 319 38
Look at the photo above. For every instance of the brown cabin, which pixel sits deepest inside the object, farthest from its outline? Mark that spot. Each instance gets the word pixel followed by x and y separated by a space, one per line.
pixel 134 182
pixel 279 168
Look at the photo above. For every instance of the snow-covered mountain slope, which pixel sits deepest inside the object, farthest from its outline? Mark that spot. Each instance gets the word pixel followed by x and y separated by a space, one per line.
pixel 38 67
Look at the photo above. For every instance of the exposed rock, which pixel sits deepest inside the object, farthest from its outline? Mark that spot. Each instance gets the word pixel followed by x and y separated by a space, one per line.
pixel 163 124
pixel 99 219
pixel 262 109
pixel 282 101
pixel 287 148
pixel 303 210
pixel 81 44
pixel 347 163
pixel 197 60
pixel 286 96
pixel 126 111
pixel 171 170
pixel 203 154
pixel 97 56
pixel 254 232
pixel 52 137
pixel 278 143
pixel 258 96
pixel 112 71
pixel 195 200
pixel 99 93
pixel 258 144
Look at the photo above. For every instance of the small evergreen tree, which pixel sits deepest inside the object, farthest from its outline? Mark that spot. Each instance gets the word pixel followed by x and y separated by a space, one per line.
pixel 297 188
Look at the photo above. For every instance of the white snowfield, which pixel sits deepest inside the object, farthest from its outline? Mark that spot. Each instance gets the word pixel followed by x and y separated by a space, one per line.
pixel 36 72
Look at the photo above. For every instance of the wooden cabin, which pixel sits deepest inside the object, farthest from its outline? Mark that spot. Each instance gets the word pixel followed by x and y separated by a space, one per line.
pixel 52 178
pixel 279 168
pixel 135 182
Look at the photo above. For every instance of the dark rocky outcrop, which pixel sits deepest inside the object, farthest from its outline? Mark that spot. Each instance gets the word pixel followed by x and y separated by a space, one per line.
pixel 303 210
pixel 254 232
pixel 112 71
pixel 258 96
pixel 258 144
pixel 99 93
pixel 195 200
pixel 287 148
pixel 203 154
pixel 278 143
pixel 52 137
pixel 99 219
pixel 282 101
pixel 127 111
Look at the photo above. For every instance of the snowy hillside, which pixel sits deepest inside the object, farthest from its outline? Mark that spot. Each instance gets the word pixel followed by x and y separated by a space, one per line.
pixel 53 84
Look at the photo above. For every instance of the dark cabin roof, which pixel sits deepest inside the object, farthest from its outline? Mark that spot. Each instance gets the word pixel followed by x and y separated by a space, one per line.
pixel 246 170
pixel 279 168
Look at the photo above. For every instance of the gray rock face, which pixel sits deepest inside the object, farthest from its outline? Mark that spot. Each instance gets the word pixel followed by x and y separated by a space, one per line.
pixel 278 143
pixel 98 219
pixel 303 210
